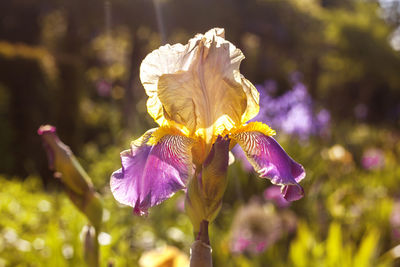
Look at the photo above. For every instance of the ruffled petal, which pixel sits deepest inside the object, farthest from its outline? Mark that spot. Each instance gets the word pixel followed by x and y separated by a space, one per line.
pixel 253 97
pixel 199 85
pixel 151 174
pixel 166 59
pixel 271 161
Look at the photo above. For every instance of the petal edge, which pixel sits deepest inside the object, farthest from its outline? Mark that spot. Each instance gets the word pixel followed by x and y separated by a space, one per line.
pixel 271 161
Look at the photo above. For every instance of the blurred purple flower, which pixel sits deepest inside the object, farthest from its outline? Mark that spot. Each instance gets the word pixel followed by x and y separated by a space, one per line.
pixel 273 193
pixel 323 118
pixel 298 121
pixel 270 86
pixel 255 229
pixel 293 111
pixel 103 88
pixel 373 159
pixel 240 245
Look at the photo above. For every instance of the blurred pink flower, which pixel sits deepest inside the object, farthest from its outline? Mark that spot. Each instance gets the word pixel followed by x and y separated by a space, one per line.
pixel 255 228
pixel 103 88
pixel 373 159
pixel 180 203
pixel 395 220
pixel 273 193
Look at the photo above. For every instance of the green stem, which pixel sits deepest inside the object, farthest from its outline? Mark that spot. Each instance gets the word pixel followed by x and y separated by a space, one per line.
pixel 91 247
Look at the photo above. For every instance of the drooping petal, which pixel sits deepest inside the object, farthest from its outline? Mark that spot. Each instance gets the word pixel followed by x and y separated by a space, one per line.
pixel 199 85
pixel 271 161
pixel 292 192
pixel 151 174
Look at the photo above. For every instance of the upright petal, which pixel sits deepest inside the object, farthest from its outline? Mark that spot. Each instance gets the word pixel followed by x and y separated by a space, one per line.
pixel 199 85
pixel 252 100
pixel 166 59
pixel 151 174
pixel 271 161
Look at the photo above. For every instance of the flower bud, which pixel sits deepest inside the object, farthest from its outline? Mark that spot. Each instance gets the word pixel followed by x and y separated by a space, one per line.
pixel 77 183
pixel 90 246
pixel 207 187
pixel 61 159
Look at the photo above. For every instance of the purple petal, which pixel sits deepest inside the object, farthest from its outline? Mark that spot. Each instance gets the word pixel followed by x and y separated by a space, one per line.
pixel 152 174
pixel 292 192
pixel 271 161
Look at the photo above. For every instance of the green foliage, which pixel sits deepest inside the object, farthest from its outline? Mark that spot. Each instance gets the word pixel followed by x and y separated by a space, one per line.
pixel 45 229
pixel 306 250
pixel 38 228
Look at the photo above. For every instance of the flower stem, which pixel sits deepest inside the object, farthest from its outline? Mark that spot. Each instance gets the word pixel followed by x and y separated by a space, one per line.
pixel 200 252
pixel 91 247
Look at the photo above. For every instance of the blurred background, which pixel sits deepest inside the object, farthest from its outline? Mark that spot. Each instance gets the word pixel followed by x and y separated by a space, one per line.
pixel 328 72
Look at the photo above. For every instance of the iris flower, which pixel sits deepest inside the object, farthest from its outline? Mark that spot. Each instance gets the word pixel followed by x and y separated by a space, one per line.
pixel 199 99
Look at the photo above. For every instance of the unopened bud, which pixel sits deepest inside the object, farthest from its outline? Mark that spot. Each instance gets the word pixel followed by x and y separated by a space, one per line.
pixel 62 160
pixel 90 245
pixel 206 189
pixel 77 183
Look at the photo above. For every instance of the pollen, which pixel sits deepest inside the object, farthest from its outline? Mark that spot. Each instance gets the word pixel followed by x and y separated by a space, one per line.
pixel 255 126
